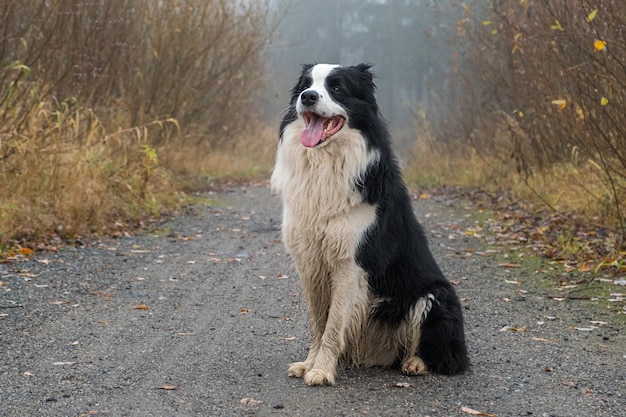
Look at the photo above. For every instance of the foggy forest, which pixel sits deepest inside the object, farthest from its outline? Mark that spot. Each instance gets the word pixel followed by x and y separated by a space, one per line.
pixel 113 110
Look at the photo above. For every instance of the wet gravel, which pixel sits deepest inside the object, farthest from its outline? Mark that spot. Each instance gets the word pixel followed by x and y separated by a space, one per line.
pixel 202 316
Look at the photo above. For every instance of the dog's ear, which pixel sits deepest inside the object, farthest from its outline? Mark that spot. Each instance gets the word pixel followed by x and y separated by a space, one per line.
pixel 367 76
pixel 364 69
pixel 307 67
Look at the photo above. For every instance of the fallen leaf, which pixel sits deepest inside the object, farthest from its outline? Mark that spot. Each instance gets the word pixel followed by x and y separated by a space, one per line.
pixel 401 385
pixel 244 311
pixel 475 412
pixel 140 307
pixel 250 401
pixel 27 373
pixel 514 329
pixel 568 383
pixel 104 295
pixel 167 387
pixel 288 338
pixel 541 339
pixel 26 251
pixel 584 329
pixel 548 369
pixel 509 265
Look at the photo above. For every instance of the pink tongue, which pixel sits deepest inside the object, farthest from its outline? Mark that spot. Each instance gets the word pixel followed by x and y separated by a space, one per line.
pixel 313 133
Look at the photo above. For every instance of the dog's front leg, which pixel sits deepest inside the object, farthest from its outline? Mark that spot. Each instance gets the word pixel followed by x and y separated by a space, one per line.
pixel 348 299
pixel 316 287
pixel 317 322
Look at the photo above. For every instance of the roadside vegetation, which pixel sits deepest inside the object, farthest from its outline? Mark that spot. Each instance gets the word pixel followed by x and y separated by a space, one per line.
pixel 534 102
pixel 109 107
pixel 112 111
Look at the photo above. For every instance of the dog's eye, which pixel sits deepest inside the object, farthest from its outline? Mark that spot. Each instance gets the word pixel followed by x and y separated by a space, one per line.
pixel 337 89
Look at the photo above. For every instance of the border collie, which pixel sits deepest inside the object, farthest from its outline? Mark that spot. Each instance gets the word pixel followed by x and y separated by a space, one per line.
pixel 375 295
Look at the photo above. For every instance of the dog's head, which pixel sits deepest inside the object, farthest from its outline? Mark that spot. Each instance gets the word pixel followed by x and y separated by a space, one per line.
pixel 329 97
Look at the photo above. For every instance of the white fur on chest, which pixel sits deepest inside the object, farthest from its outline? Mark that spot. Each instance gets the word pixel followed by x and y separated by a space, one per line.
pixel 323 213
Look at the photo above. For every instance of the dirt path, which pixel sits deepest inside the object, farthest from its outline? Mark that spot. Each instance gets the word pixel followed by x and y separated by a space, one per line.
pixel 205 313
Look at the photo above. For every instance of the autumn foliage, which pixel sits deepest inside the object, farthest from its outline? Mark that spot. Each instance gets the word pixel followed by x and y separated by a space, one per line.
pixel 101 101
pixel 537 94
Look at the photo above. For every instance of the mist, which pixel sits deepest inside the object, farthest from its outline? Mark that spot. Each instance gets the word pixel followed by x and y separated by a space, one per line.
pixel 399 38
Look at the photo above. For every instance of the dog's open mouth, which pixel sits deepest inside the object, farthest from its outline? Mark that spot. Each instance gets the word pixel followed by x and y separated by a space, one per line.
pixel 318 128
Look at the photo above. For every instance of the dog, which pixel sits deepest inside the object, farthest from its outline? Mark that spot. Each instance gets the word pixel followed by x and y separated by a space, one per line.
pixel 375 295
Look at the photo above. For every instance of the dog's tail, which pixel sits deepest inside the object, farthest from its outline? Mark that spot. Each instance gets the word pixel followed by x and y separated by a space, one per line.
pixel 442 343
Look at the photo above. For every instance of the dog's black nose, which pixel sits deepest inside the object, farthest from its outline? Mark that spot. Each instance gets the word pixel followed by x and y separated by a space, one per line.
pixel 309 97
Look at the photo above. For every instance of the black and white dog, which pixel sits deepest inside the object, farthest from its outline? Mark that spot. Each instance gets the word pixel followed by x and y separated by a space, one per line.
pixel 375 295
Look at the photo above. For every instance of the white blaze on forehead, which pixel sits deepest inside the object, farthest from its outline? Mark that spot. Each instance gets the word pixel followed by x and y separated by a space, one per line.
pixel 319 73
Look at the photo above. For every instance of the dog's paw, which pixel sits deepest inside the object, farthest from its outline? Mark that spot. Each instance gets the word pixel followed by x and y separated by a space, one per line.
pixel 319 377
pixel 297 369
pixel 414 366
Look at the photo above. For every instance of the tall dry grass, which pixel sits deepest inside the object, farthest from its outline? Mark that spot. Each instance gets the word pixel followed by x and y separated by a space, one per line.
pixel 535 99
pixel 105 104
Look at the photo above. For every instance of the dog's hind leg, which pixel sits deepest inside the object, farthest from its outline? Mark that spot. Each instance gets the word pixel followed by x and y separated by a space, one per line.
pixel 442 345
pixel 410 334
pixel 346 317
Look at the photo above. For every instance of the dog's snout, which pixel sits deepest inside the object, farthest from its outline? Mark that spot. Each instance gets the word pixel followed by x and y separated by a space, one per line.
pixel 309 97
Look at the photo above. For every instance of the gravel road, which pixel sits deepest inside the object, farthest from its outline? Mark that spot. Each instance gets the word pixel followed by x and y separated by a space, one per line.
pixel 202 317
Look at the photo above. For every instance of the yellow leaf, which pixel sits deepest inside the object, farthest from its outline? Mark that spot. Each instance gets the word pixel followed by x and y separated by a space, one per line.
pixel 560 103
pixel 140 307
pixel 599 45
pixel 557 26
pixel 423 196
pixel 592 15
pixel 486 22
pixel 604 101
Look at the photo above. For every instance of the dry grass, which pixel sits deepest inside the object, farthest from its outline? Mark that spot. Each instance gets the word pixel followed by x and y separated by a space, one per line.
pixel 569 187
pixel 63 174
pixel 107 107
pixel 249 155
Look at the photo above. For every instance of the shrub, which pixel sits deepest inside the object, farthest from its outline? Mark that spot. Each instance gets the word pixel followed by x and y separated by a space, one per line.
pixel 101 100
pixel 539 88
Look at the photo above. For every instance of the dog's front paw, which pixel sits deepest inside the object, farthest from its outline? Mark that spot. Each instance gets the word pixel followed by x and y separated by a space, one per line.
pixel 319 377
pixel 414 366
pixel 297 369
